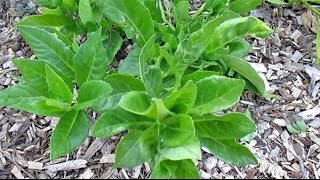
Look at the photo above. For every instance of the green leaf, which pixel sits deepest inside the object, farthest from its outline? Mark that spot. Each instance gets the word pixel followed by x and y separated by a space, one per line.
pixel 217 93
pixel 216 6
pixel 26 98
pixel 229 126
pixel 71 131
pixel 181 101
pixel 85 12
pixel 229 151
pixel 145 56
pixel 91 92
pixel 246 70
pixel 235 28
pixel 239 47
pixel 277 2
pixel 182 11
pixel 58 89
pixel 191 150
pixel 125 12
pixel 138 103
pixel 130 65
pixel 153 82
pixel 167 169
pixel 197 76
pixel 117 120
pixel 137 147
pixel 242 8
pixel 107 103
pixel 318 43
pixel 71 5
pixel 90 61
pixel 49 3
pixel 178 130
pixel 34 73
pixel 49 49
pixel 113 44
pixel 48 21
pixel 122 83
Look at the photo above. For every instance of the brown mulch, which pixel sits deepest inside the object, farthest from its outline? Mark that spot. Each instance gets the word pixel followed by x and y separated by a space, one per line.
pixel 285 60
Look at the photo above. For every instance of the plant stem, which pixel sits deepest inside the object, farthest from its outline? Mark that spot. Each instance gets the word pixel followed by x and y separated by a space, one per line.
pixel 163 15
pixel 314 10
pixel 198 12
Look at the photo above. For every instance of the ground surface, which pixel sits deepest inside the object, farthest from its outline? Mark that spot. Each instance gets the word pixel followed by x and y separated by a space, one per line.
pixel 285 60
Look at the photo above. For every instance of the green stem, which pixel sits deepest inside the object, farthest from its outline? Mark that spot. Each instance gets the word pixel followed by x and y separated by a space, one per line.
pixel 314 10
pixel 163 15
pixel 199 11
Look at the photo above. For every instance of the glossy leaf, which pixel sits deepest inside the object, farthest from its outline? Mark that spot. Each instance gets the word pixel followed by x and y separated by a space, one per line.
pixel 49 49
pixel 125 12
pixel 116 120
pixel 112 44
pixel 26 98
pixel 229 126
pixel 138 103
pixel 91 92
pixel 167 169
pixel 153 82
pixel 240 7
pixel 137 147
pixel 246 70
pixel 190 150
pixel 90 61
pixel 178 130
pixel 85 12
pixel 58 89
pixel 216 93
pixel 48 20
pixel 197 76
pixel 69 134
pixel 235 28
pixel 181 101
pixel 145 56
pixel 130 65
pixel 239 48
pixel 122 83
pixel 229 151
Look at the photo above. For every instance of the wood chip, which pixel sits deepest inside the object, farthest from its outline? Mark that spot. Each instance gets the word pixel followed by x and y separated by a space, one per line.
pixel 297 56
pixel 95 146
pixel 17 173
pixel 35 165
pixel 88 174
pixel 69 165
pixel 108 159
pixel 280 122
pixel 314 138
pixel 124 174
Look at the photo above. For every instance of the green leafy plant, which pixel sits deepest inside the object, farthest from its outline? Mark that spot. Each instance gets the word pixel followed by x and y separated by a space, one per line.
pixel 165 97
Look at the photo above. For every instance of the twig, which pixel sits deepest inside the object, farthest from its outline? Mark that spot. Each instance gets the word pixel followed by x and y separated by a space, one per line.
pixel 240 173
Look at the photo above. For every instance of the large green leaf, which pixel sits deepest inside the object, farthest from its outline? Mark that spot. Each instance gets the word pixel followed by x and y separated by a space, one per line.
pixel 191 150
pixel 145 56
pixel 130 65
pixel 48 21
pixel 70 5
pixel 246 70
pixel 137 147
pixel 191 50
pixel 57 88
pixel 217 93
pixel 167 169
pixel 131 14
pixel 49 49
pixel 240 7
pixel 122 83
pixel 235 28
pixel 23 97
pixel 178 130
pixel 34 73
pixel 117 120
pixel 229 126
pixel 49 3
pixel 71 131
pixel 181 101
pixel 138 103
pixel 90 61
pixel 239 47
pixel 112 44
pixel 229 151
pixel 197 76
pixel 85 12
pixel 153 82
pixel 91 92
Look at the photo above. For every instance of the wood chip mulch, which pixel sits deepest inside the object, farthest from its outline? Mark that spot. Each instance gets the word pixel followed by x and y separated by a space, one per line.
pixel 285 61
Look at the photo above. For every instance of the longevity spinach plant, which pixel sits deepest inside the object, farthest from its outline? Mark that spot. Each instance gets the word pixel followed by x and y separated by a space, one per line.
pixel 165 94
